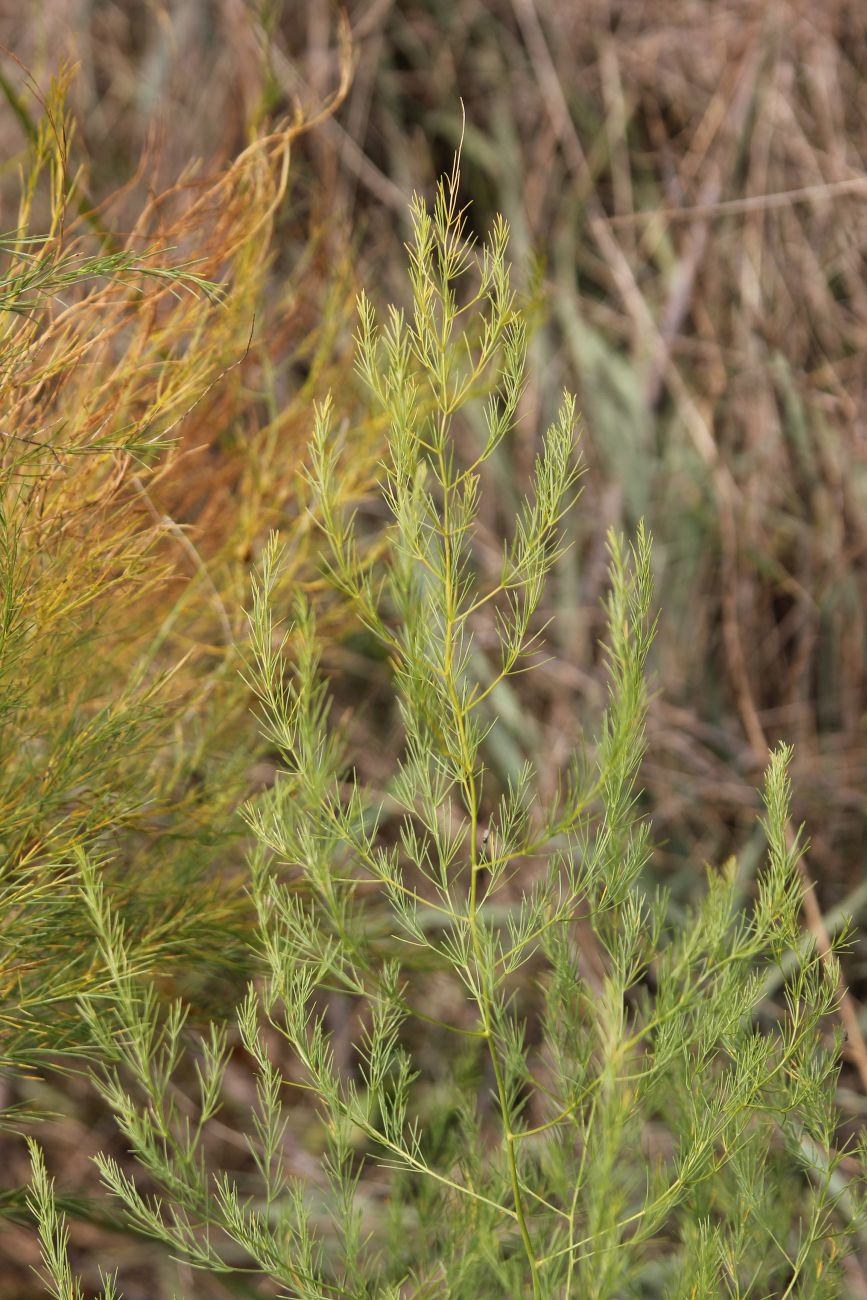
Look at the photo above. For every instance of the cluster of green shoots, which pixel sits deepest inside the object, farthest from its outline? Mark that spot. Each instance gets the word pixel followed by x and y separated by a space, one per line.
pixel 554 1086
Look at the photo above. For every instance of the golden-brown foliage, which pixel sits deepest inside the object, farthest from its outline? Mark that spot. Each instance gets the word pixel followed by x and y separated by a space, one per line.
pixel 154 398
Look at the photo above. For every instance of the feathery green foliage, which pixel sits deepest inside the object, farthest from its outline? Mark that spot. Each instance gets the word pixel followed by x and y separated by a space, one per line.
pixel 552 1088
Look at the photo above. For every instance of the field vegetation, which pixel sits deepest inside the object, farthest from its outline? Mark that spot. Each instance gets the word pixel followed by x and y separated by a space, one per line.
pixel 432 598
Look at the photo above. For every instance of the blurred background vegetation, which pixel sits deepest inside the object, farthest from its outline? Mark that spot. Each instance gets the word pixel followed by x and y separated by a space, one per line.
pixel 685 182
